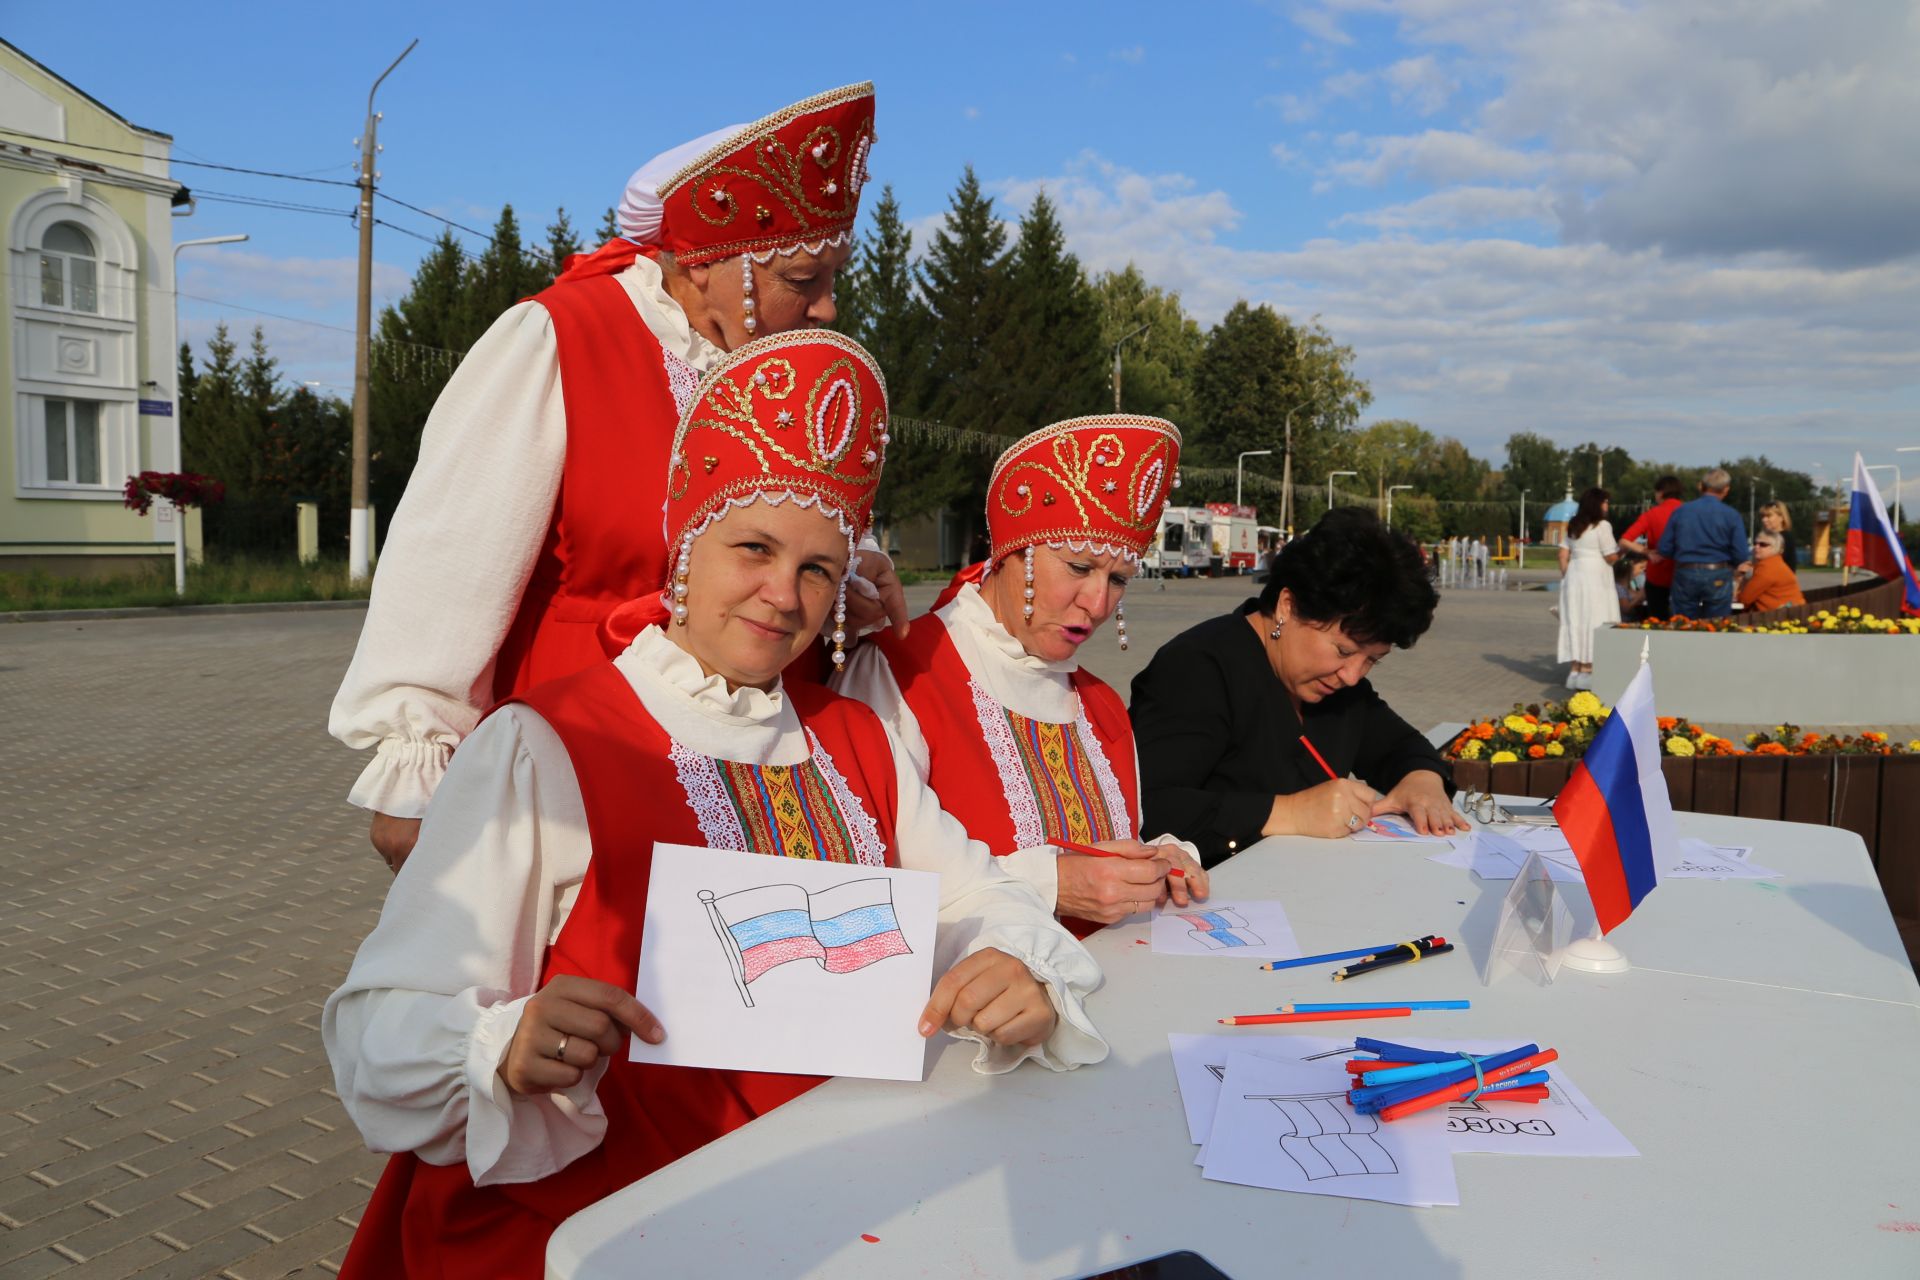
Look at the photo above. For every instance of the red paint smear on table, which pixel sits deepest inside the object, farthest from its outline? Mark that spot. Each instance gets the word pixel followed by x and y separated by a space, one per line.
pixel 869 1239
pixel 1139 942
pixel 1901 1228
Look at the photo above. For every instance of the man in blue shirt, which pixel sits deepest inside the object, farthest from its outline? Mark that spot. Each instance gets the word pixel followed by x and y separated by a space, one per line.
pixel 1708 546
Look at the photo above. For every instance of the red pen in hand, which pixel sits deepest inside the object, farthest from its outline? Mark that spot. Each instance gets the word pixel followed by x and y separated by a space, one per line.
pixel 1091 851
pixel 1322 761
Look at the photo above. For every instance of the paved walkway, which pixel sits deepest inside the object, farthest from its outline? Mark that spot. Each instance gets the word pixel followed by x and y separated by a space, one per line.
pixel 181 885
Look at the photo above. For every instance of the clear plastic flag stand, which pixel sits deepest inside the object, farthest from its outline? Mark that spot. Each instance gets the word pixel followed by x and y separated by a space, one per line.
pixel 1535 931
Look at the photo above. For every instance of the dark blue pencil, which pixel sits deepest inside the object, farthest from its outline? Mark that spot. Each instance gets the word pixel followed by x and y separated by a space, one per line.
pixel 1364 953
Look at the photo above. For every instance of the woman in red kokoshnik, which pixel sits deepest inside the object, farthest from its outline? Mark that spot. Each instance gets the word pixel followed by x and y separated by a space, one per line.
pixel 987 695
pixel 480 1034
pixel 534 509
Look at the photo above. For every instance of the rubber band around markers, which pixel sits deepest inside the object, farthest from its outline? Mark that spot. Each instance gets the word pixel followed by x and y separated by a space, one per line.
pixel 1418 954
pixel 1479 1077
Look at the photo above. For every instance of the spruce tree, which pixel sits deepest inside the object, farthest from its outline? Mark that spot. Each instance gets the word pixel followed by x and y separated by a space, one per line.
pixel 215 440
pixel 1047 354
pixel 1160 344
pixel 562 243
pixel 879 308
pixel 609 226
pixel 411 365
pixel 504 274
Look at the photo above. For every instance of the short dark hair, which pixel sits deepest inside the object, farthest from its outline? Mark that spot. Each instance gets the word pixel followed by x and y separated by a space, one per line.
pixel 1352 571
pixel 1666 487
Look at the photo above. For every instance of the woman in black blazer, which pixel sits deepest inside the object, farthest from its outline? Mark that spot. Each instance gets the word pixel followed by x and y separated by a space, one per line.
pixel 1219 714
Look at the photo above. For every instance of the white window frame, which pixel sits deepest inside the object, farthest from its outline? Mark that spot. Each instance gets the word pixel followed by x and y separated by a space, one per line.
pixel 67 260
pixel 119 447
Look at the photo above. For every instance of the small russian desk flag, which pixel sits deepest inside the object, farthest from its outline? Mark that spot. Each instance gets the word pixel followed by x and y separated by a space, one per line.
pixel 1614 810
pixel 1871 539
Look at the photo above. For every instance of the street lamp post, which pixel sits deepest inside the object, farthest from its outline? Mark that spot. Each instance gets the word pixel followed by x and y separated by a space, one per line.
pixel 1286 473
pixel 1390 492
pixel 1116 362
pixel 1521 556
pixel 359 527
pixel 1330 476
pixel 180 412
pixel 1240 472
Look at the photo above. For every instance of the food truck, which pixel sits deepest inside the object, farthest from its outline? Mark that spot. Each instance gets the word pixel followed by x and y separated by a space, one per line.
pixel 1184 545
pixel 1236 536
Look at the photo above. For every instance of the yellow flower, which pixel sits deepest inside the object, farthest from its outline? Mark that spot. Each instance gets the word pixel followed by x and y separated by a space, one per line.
pixel 1555 749
pixel 1472 749
pixel 1503 757
pixel 1914 746
pixel 1678 745
pixel 1517 724
pixel 1583 704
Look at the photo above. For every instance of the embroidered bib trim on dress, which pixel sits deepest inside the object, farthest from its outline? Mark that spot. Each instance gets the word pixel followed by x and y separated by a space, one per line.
pixel 1056 777
pixel 803 810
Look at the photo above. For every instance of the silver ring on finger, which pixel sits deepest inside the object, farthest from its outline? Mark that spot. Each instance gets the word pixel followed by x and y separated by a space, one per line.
pixel 1353 822
pixel 560 1054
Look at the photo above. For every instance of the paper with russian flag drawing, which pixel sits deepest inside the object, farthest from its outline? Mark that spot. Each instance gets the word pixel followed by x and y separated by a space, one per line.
pixel 1245 929
pixel 759 963
pixel 1872 542
pixel 1614 809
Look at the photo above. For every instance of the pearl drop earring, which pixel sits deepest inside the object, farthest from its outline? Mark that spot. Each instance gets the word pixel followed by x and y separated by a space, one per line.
pixel 1120 624
pixel 680 583
pixel 746 291
pixel 840 613
pixel 1027 610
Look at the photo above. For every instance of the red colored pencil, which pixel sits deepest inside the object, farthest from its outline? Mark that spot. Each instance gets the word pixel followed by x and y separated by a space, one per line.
pixel 1322 761
pixel 1091 851
pixel 1455 1092
pixel 1263 1019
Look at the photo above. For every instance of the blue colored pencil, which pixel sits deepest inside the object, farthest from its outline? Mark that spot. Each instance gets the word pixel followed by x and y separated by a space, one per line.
pixel 1363 953
pixel 1373 1004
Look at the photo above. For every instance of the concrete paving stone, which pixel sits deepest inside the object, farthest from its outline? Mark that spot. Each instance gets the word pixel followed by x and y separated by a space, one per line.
pixel 343 1199
pixel 108 1234
pixel 288 1255
pixel 238 1211
pixel 205 1258
pixel 265 1171
pixel 129 1259
pixel 54 1227
pixel 51 1199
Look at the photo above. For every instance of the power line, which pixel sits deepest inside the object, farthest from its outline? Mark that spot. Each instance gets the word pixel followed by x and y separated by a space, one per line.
pixel 173 160
pixel 264 202
pixel 428 213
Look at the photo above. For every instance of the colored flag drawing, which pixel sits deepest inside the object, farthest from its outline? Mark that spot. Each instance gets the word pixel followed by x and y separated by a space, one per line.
pixel 1219 930
pixel 1328 1139
pixel 842 929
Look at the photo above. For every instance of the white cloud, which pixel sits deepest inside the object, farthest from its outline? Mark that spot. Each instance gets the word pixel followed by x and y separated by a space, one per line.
pixel 1461 208
pixel 1345 84
pixel 1134 55
pixel 1438 157
pixel 1320 23
pixel 1420 84
pixel 320 284
pixel 971 113
pixel 1713 128
pixel 1673 357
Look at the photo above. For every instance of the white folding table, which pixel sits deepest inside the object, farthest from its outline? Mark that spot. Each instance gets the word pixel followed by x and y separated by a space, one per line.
pixel 1761 1055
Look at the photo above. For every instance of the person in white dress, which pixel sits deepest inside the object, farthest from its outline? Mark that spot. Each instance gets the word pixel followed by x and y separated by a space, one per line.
pixel 1587 595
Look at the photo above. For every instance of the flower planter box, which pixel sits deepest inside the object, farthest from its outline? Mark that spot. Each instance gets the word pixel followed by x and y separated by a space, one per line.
pixel 1763 679
pixel 1875 797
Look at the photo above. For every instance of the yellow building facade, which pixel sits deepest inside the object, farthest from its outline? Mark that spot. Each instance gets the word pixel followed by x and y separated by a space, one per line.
pixel 89 366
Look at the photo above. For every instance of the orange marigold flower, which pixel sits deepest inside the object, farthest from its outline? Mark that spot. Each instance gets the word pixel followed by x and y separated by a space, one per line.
pixel 1770 749
pixel 1536 751
pixel 1483 730
pixel 1873 736
pixel 1532 719
pixel 1668 722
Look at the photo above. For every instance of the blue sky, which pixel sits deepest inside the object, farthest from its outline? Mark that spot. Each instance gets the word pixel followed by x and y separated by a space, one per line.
pixel 1692 230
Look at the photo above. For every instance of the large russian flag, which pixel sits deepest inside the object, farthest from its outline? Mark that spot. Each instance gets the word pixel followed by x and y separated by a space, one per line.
pixel 1614 810
pixel 1872 541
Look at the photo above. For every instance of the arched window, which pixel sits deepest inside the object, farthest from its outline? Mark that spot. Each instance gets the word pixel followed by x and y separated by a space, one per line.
pixel 69 269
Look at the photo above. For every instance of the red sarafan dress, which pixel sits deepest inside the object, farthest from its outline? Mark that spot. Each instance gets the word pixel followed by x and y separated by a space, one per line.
pixel 430 1220
pixel 1016 782
pixel 605 545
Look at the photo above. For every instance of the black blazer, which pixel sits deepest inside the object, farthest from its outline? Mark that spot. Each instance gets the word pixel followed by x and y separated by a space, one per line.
pixel 1218 738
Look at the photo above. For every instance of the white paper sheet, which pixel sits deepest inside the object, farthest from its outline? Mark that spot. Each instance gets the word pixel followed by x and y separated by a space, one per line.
pixel 1703 861
pixel 1288 1126
pixel 1394 829
pixel 785 964
pixel 1199 1063
pixel 1499 855
pixel 1247 929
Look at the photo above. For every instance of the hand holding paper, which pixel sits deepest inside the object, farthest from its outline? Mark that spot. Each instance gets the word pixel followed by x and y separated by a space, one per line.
pixel 994 994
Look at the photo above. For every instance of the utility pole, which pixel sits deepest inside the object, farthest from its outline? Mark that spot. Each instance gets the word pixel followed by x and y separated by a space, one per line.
pixel 1116 363
pixel 357 527
pixel 1286 473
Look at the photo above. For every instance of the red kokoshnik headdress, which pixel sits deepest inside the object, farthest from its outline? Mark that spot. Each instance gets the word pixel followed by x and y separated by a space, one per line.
pixel 783 184
pixel 1098 482
pixel 797 417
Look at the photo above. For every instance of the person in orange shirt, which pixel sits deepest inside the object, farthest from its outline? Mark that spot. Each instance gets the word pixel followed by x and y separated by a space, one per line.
pixel 1773 584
